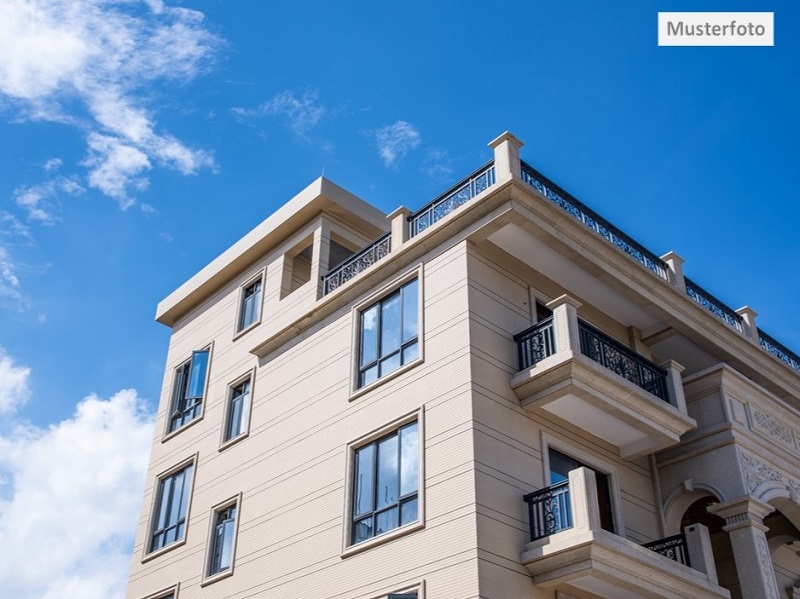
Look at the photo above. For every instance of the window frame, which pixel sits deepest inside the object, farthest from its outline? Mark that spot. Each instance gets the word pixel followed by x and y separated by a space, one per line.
pixel 239 328
pixel 209 576
pixel 170 592
pixel 593 462
pixel 169 432
pixel 155 505
pixel 247 411
pixel 350 548
pixel 375 299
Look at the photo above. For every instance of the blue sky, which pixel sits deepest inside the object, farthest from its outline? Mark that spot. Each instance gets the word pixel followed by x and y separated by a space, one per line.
pixel 140 139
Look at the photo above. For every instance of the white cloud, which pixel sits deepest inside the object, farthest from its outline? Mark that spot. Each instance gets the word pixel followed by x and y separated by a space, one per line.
pixel 396 140
pixel 9 283
pixel 14 390
pixel 102 55
pixel 36 199
pixel 438 164
pixel 303 113
pixel 53 164
pixel 71 499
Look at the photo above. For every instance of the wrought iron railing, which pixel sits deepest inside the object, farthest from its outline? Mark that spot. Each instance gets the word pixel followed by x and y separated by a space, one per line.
pixel 622 360
pixel 458 195
pixel 779 350
pixel 340 274
pixel 536 343
pixel 673 547
pixel 549 510
pixel 718 308
pixel 593 221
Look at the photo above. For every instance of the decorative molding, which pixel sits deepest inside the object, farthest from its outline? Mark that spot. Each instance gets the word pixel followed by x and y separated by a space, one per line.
pixel 765 562
pixel 767 425
pixel 757 473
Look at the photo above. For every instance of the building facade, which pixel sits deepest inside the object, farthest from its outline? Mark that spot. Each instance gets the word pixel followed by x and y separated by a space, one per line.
pixel 500 395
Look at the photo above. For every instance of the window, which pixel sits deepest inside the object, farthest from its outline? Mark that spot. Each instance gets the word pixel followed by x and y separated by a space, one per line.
pixel 238 413
pixel 171 508
pixel 250 308
pixel 187 392
pixel 560 467
pixel 386 484
pixel 223 536
pixel 389 334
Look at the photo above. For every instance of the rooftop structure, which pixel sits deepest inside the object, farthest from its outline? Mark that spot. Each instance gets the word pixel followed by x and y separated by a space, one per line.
pixel 499 394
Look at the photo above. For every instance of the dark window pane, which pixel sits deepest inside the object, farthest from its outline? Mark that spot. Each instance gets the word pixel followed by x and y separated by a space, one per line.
pixel 409 459
pixel 363 490
pixel 197 378
pixel 369 335
pixel 386 521
pixel 362 530
pixel 388 475
pixel 173 501
pixel 390 364
pixel 369 375
pixel 381 468
pixel 390 324
pixel 408 512
pixel 389 333
pixel 410 310
pixel 410 353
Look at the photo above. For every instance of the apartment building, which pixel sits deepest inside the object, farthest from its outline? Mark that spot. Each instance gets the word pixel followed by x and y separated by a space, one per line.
pixel 498 395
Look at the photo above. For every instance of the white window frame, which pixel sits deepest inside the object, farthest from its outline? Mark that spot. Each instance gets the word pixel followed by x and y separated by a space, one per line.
pixel 239 329
pixel 374 298
pixel 155 504
pixel 347 547
pixel 591 460
pixel 246 413
pixel 168 434
pixel 208 576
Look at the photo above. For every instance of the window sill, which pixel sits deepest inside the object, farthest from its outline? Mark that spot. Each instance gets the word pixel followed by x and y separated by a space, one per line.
pixel 234 441
pixel 177 431
pixel 384 538
pixel 163 550
pixel 384 379
pixel 239 334
pixel 218 576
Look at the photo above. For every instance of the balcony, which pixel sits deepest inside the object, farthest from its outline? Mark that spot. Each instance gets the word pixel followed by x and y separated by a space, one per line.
pixel 574 371
pixel 569 552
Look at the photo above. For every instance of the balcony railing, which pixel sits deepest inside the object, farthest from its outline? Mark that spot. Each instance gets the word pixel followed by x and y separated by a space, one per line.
pixel 777 349
pixel 357 263
pixel 673 547
pixel 536 343
pixel 621 360
pixel 594 221
pixel 549 510
pixel 712 304
pixel 458 195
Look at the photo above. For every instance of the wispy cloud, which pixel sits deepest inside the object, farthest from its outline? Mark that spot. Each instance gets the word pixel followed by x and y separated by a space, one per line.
pixel 437 164
pixel 14 390
pixel 9 283
pixel 70 495
pixel 36 200
pixel 102 55
pixel 301 113
pixel 396 140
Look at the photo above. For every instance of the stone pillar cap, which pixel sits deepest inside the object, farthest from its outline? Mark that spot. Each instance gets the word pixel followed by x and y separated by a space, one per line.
pixel 564 299
pixel 506 136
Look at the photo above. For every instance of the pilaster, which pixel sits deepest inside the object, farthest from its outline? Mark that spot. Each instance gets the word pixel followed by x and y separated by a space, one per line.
pixel 745 526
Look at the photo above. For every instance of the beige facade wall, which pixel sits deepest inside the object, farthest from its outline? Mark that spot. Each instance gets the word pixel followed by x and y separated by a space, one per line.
pixel 511 442
pixel 291 468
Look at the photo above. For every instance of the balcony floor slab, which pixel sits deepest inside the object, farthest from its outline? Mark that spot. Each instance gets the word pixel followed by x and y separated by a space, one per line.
pixel 601 402
pixel 590 564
